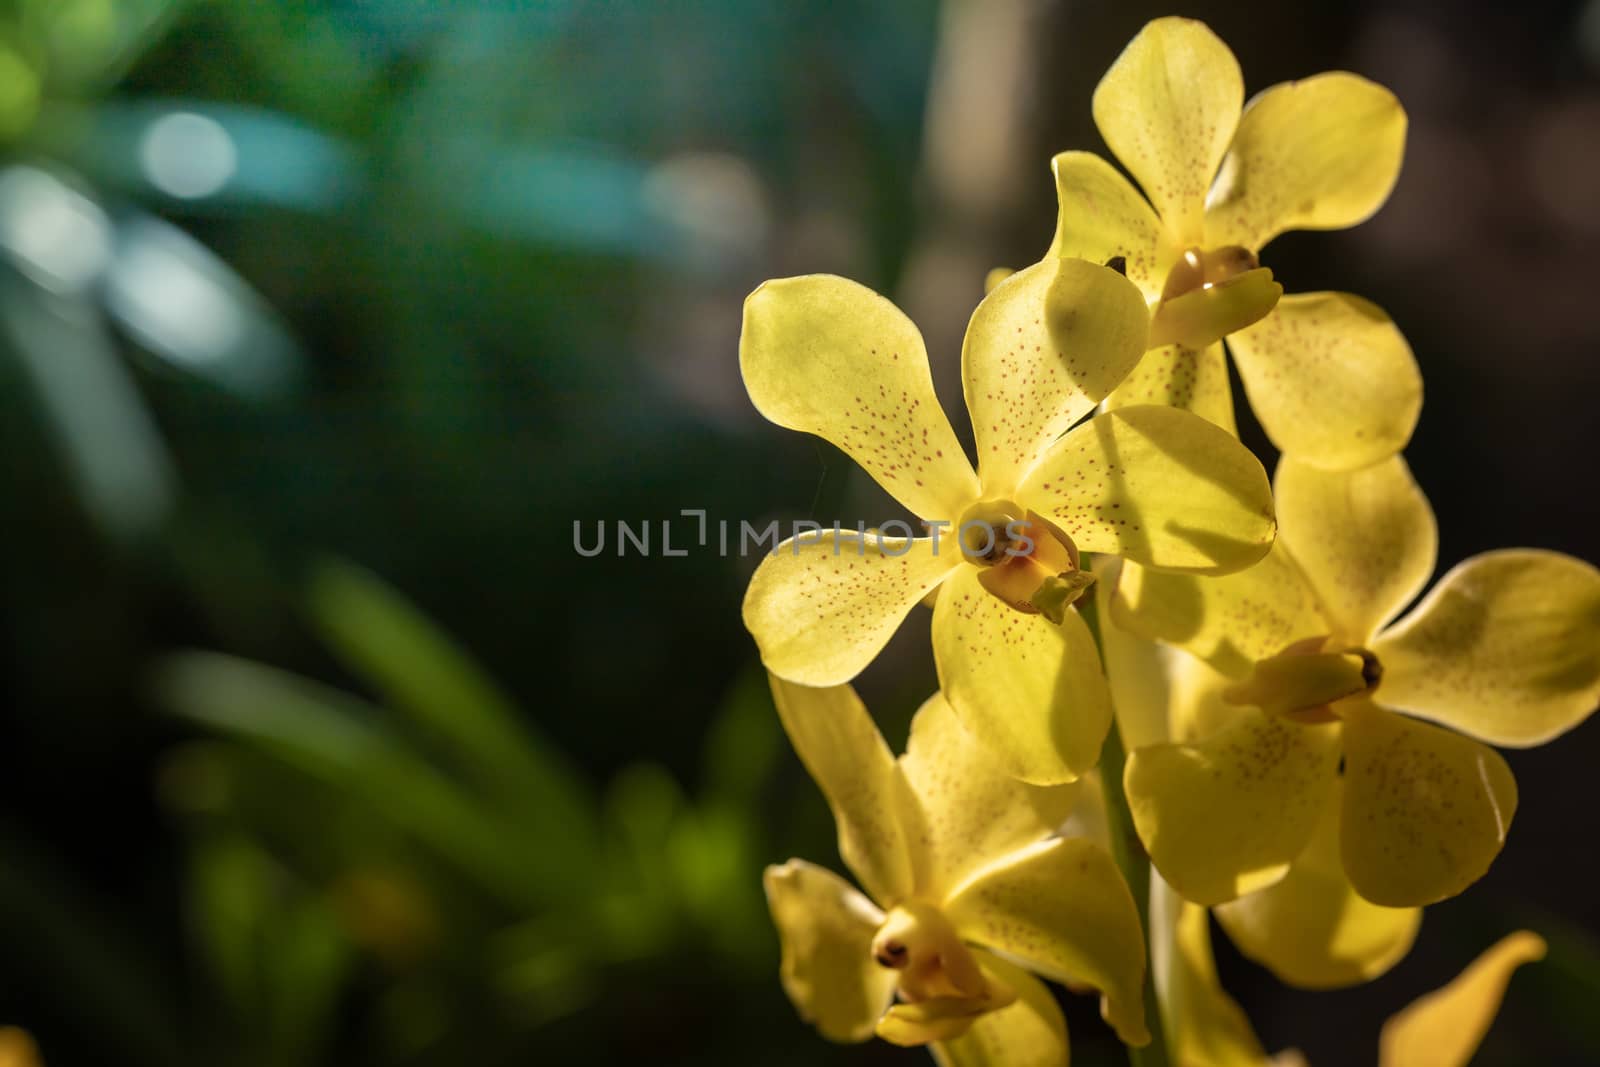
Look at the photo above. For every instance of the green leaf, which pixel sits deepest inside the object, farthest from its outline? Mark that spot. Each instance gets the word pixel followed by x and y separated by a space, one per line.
pixel 421 673
pixel 277 951
pixel 337 739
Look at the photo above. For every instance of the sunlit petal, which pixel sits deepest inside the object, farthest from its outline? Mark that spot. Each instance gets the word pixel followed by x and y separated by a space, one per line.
pixel 826 928
pixel 1331 379
pixel 1365 539
pixel 821 606
pixel 1202 316
pixel 1316 154
pixel 840 746
pixel 971 811
pixel 1029 691
pixel 913 1023
pixel 1178 377
pixel 1445 1027
pixel 1061 909
pixel 1231 621
pixel 1506 648
pixel 1101 215
pixel 1206 1026
pixel 1137 669
pixel 1159 486
pixel 1199 706
pixel 1168 108
pixel 1311 929
pixel 1226 816
pixel 1425 810
pixel 830 357
pixel 1041 351
pixel 1030 1032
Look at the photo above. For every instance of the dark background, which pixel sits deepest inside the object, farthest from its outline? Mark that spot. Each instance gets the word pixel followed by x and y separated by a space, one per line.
pixel 308 311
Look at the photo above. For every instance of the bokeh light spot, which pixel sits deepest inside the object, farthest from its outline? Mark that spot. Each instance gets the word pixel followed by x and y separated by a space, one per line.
pixel 188 156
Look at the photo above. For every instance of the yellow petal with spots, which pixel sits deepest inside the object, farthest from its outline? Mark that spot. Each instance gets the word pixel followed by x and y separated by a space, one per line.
pixel 1206 1026
pixel 1227 816
pixel 821 606
pixel 1231 621
pixel 1040 352
pixel 1101 216
pixel 1158 486
pixel 1317 154
pixel 971 811
pixel 1506 648
pixel 1168 108
pixel 1425 810
pixel 1192 379
pixel 1137 669
pixel 1445 1028
pixel 1199 705
pixel 1311 929
pixel 1062 910
pixel 830 357
pixel 1365 539
pixel 1029 691
pixel 841 748
pixel 1331 379
pixel 1029 1032
pixel 825 929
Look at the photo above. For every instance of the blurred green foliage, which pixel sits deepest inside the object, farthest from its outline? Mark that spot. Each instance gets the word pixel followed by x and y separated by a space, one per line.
pixel 418 285
pixel 278 279
pixel 453 848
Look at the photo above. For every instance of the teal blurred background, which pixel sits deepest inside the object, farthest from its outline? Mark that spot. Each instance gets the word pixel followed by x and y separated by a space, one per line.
pixel 322 323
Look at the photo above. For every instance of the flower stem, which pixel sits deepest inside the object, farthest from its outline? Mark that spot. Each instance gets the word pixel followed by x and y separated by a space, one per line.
pixel 1130 857
pixel 1134 864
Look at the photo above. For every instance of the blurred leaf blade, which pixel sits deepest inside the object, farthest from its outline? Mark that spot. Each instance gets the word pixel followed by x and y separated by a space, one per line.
pixel 108 441
pixel 205 158
pixel 423 674
pixel 321 732
pixel 275 946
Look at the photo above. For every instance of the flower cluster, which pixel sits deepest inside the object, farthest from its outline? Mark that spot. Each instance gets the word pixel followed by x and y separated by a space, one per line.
pixel 1306 758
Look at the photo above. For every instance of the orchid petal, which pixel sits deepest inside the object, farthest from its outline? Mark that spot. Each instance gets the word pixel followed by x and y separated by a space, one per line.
pixel 1158 486
pixel 1331 378
pixel 1061 909
pixel 971 811
pixel 1445 1027
pixel 1506 648
pixel 1311 929
pixel 826 929
pixel 1426 810
pixel 1226 816
pixel 1168 108
pixel 827 356
pixel 839 744
pixel 1041 351
pixel 1030 692
pixel 1365 539
pixel 1317 154
pixel 821 606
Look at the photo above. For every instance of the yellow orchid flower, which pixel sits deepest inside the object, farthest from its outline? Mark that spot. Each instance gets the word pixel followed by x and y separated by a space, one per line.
pixel 829 357
pixel 1331 379
pixel 1305 787
pixel 1207 1028
pixel 970 891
